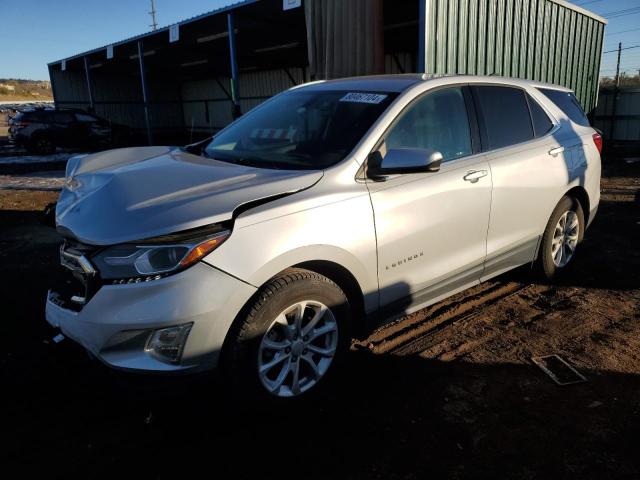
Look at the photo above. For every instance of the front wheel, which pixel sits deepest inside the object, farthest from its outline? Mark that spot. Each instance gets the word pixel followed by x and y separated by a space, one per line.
pixel 564 232
pixel 41 145
pixel 291 338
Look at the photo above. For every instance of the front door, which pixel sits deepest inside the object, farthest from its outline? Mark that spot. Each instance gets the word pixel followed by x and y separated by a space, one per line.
pixel 431 228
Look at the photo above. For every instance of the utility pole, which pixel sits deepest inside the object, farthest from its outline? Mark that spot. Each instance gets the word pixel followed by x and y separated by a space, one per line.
pixel 618 66
pixel 154 23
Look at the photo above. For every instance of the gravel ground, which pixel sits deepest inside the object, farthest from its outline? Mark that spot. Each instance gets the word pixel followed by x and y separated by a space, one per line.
pixel 448 392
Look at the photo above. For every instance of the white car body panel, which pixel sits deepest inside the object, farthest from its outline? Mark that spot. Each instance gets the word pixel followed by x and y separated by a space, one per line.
pixel 412 213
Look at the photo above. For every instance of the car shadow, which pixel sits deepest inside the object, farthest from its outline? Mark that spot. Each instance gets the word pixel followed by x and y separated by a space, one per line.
pixel 384 417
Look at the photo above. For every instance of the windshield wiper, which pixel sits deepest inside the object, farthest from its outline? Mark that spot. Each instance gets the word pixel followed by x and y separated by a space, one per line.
pixel 259 163
pixel 246 161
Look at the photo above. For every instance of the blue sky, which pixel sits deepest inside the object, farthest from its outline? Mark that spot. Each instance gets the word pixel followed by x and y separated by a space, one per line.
pixel 60 28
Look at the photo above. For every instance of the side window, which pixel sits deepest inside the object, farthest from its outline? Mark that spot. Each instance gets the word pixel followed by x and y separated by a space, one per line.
pixel 40 116
pixel 541 122
pixel 83 117
pixel 504 115
pixel 568 103
pixel 29 117
pixel 437 121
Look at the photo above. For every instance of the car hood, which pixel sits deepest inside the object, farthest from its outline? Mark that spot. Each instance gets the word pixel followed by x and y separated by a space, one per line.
pixel 133 194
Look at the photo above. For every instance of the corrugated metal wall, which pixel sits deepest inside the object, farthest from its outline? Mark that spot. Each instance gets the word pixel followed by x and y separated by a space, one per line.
pixel 116 97
pixel 198 106
pixel 626 124
pixel 536 39
pixel 341 37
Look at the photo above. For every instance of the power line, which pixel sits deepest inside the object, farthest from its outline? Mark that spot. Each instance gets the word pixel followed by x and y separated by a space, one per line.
pixel 587 3
pixel 623 31
pixel 625 48
pixel 622 13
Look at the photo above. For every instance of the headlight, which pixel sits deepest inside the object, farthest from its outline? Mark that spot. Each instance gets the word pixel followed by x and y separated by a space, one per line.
pixel 135 263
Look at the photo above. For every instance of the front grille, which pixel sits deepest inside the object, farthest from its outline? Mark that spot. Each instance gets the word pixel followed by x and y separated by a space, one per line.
pixel 80 279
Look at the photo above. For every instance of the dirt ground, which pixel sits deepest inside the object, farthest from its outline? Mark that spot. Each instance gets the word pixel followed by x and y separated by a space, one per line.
pixel 448 392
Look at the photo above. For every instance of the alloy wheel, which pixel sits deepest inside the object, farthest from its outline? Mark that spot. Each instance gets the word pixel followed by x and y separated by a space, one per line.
pixel 44 145
pixel 565 238
pixel 298 348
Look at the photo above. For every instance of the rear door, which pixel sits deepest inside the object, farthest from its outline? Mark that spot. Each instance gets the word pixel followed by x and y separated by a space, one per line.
pixel 431 228
pixel 529 168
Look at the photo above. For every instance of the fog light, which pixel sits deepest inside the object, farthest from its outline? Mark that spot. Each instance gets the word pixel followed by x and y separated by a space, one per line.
pixel 167 344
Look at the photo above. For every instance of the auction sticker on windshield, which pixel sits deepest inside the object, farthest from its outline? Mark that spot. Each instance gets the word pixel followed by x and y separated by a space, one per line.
pixel 355 97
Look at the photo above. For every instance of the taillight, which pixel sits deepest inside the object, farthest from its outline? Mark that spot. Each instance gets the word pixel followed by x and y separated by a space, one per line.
pixel 21 124
pixel 597 140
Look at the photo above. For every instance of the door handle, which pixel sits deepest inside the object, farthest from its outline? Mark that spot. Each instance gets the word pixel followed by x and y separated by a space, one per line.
pixel 474 175
pixel 556 151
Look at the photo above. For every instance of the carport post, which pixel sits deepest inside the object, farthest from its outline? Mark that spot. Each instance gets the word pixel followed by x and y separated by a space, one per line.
pixel 422 33
pixel 87 75
pixel 234 66
pixel 53 83
pixel 145 96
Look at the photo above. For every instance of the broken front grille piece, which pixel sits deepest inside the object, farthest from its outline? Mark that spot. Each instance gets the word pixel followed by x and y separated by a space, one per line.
pixel 81 279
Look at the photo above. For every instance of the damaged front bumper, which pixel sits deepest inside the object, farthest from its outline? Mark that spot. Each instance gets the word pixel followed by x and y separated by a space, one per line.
pixel 117 321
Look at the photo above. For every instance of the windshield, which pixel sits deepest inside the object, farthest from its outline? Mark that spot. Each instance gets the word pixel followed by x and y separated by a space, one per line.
pixel 304 129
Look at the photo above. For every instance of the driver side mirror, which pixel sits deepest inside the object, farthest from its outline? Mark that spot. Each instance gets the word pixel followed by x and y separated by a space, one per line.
pixel 401 161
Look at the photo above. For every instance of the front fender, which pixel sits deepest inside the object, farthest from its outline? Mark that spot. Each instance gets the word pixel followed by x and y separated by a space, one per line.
pixel 342 232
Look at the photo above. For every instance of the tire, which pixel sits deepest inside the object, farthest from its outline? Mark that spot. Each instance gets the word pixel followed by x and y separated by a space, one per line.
pixel 552 260
pixel 41 144
pixel 267 322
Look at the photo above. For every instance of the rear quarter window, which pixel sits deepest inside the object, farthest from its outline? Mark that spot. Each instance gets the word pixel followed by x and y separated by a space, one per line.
pixel 83 117
pixel 542 124
pixel 568 103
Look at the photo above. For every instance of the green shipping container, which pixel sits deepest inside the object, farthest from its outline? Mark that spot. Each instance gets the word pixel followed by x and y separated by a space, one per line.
pixel 544 40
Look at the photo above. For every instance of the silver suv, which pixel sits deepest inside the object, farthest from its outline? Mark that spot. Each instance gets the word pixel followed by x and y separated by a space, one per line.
pixel 325 210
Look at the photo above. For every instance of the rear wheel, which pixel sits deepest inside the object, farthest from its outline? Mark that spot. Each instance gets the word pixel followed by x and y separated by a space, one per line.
pixel 291 338
pixel 564 232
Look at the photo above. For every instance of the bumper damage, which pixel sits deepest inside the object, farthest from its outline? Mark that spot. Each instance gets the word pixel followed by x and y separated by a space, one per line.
pixel 118 321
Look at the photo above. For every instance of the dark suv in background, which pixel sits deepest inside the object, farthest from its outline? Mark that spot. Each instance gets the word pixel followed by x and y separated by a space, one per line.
pixel 42 130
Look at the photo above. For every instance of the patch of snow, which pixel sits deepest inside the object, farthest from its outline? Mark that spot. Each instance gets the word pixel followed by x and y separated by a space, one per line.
pixel 26 102
pixel 33 181
pixel 56 157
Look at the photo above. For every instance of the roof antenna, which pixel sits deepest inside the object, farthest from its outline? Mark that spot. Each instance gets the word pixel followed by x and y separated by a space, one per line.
pixel 154 23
